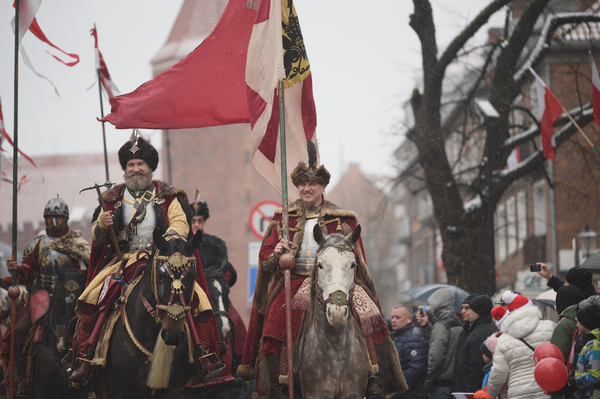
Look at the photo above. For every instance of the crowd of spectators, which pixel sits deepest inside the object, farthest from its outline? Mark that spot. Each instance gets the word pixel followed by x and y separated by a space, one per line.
pixel 488 351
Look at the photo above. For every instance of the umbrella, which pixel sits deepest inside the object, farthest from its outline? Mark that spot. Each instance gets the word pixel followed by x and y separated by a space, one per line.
pixel 547 298
pixel 592 264
pixel 423 292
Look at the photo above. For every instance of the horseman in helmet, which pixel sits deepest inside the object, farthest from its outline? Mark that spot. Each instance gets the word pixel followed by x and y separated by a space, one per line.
pixel 134 210
pixel 59 246
pixel 267 327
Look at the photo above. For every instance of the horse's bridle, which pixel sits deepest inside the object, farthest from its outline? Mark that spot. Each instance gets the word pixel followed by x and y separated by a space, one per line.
pixel 175 263
pixel 337 297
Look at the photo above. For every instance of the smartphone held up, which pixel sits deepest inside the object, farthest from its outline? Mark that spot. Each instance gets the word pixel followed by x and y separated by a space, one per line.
pixel 535 267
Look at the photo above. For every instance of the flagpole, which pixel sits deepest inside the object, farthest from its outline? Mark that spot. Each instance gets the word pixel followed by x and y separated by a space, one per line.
pixel 286 261
pixel 596 150
pixel 13 291
pixel 101 110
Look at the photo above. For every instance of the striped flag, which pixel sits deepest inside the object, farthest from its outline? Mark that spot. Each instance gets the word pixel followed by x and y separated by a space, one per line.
pixel 7 137
pixel 549 109
pixel 105 79
pixel 595 90
pixel 276 52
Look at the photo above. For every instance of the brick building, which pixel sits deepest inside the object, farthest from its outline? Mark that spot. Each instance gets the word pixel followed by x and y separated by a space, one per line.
pixel 523 219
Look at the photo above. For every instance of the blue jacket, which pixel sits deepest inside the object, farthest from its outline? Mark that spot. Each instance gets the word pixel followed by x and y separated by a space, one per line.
pixel 412 351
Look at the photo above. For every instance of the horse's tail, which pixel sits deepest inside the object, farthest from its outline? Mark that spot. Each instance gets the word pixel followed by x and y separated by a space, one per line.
pixel 160 369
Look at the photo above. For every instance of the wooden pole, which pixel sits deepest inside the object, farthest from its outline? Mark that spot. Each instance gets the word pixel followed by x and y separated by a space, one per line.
pixel 14 290
pixel 101 109
pixel 585 136
pixel 287 274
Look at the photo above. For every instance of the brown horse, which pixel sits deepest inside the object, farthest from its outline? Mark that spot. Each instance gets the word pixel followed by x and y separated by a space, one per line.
pixel 332 359
pixel 150 353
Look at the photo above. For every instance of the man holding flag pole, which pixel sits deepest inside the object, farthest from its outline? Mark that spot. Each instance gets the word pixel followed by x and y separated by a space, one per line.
pixel 276 65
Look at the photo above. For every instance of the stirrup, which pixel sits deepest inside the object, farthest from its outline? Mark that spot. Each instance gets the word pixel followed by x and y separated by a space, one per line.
pixel 207 365
pixel 80 363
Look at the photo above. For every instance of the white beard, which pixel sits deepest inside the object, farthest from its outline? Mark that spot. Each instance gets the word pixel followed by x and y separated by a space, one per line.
pixel 138 183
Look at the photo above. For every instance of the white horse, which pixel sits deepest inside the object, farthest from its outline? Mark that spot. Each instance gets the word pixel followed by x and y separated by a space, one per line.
pixel 332 356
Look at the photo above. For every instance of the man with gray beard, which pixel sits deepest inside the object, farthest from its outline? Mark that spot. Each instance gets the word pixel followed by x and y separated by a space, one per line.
pixel 134 210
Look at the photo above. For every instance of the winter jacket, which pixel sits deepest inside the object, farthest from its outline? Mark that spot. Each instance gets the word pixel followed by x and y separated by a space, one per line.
pixel 587 374
pixel 464 334
pixel 469 362
pixel 412 351
pixel 565 330
pixel 513 359
pixel 443 341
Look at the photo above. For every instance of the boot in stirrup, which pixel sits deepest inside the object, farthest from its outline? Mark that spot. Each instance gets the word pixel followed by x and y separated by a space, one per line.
pixel 207 365
pixel 375 387
pixel 81 373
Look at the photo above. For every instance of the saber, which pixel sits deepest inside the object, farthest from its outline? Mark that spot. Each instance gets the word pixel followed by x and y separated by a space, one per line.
pixel 113 236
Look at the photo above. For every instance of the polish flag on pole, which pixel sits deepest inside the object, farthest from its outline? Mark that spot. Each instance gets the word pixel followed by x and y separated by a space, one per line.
pixel 107 82
pixel 276 52
pixel 595 90
pixel 549 109
pixel 514 159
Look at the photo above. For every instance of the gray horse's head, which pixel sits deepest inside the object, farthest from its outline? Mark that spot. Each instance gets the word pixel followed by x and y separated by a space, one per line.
pixel 336 264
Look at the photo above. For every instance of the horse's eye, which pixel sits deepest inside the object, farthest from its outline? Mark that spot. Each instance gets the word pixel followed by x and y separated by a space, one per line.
pixel 320 267
pixel 353 264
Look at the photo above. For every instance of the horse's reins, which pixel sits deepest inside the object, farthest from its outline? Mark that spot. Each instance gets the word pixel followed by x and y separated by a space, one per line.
pixel 182 265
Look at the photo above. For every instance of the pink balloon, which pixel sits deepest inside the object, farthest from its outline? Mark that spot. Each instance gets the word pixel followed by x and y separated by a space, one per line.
pixel 550 374
pixel 546 350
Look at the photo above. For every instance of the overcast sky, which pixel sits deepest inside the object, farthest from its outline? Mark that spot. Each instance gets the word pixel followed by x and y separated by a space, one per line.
pixel 364 59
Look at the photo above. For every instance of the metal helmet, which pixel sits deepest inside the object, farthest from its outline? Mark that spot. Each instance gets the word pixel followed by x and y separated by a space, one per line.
pixel 56 207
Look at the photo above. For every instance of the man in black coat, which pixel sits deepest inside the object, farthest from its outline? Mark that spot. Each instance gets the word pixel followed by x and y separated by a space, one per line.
pixel 469 362
pixel 412 351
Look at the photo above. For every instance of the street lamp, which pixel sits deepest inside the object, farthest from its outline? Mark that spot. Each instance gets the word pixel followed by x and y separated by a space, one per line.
pixel 587 241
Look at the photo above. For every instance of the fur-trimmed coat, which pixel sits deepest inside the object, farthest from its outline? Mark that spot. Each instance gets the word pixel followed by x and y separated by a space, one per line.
pixel 102 248
pixel 72 244
pixel 332 219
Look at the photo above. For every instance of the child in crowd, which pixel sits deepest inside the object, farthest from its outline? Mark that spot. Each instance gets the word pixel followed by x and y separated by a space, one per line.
pixel 586 382
pixel 487 351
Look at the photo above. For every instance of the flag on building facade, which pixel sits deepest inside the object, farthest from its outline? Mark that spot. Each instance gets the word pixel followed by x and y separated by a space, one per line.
pixel 595 91
pixel 206 88
pixel 105 79
pixel 514 159
pixel 549 109
pixel 276 52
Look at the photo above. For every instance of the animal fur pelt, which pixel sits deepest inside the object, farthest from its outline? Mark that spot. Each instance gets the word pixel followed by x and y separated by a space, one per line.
pixel 72 244
pixel 163 190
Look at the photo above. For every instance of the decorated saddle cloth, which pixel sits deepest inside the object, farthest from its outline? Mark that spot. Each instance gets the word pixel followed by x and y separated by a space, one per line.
pixel 364 308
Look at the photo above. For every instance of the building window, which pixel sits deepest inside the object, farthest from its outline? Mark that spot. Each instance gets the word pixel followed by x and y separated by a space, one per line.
pixel 539 208
pixel 511 225
pixel 521 218
pixel 501 232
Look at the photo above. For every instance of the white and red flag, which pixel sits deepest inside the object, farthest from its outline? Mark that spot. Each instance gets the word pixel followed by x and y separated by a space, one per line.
pixel 27 21
pixel 514 159
pixel 595 91
pixel 276 52
pixel 105 79
pixel 7 137
pixel 206 88
pixel 549 109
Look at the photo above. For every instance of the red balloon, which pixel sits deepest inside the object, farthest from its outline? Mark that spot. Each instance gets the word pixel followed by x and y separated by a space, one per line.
pixel 550 374
pixel 546 350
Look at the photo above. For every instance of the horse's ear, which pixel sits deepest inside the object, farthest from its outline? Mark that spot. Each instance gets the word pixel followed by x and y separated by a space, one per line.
pixel 318 234
pixel 354 236
pixel 194 244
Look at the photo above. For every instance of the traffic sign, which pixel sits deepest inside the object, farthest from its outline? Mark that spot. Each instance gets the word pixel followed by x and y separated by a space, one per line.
pixel 260 217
